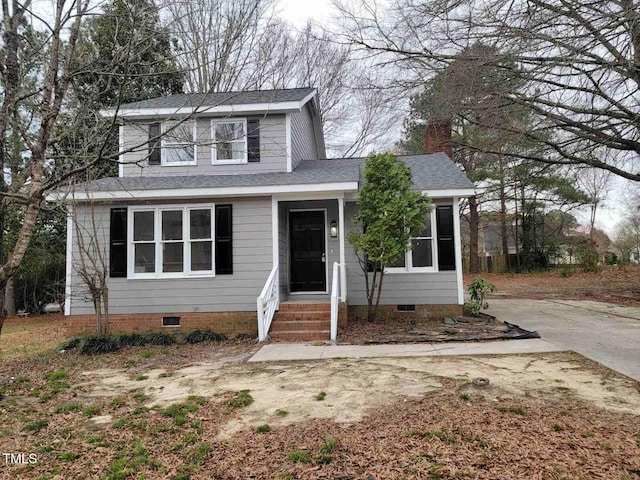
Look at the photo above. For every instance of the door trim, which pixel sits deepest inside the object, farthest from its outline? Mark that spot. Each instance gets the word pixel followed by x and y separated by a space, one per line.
pixel 326 255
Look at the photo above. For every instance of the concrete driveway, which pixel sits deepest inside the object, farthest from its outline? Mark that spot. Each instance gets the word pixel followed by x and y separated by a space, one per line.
pixel 603 332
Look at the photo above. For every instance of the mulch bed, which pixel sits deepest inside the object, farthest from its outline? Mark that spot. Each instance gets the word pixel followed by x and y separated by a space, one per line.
pixel 445 436
pixel 464 328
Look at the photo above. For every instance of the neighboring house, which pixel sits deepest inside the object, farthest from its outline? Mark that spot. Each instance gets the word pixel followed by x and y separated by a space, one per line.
pixel 236 213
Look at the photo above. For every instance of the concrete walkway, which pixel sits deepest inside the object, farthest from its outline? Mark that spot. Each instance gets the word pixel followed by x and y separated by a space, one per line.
pixel 606 333
pixel 297 351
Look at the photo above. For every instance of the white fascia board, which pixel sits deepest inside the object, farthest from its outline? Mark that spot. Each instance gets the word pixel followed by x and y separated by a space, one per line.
pixel 453 192
pixel 244 108
pixel 289 152
pixel 181 193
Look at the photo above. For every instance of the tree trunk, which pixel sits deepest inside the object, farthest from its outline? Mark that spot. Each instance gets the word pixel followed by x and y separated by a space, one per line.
pixel 503 219
pixel 9 298
pixel 3 311
pixel 105 301
pixel 371 291
pixel 474 259
pixel 375 310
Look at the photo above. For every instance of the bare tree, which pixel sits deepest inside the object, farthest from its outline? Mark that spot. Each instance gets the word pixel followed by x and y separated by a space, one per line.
pixel 219 41
pixel 579 62
pixel 596 183
pixel 90 263
pixel 39 63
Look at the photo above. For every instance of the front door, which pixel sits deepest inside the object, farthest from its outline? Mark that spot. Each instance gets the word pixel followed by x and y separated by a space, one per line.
pixel 307 245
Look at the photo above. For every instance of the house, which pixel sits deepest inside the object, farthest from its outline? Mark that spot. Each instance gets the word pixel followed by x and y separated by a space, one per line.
pixel 226 214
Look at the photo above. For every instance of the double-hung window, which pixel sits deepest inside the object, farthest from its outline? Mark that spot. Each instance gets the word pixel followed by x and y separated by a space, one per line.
pixel 229 142
pixel 172 241
pixel 179 143
pixel 422 254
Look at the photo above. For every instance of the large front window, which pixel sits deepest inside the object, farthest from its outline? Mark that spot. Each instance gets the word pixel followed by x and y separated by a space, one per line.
pixel 178 143
pixel 172 241
pixel 229 141
pixel 421 256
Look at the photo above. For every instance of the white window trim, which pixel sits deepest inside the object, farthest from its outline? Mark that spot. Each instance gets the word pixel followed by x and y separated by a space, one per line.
pixel 157 223
pixel 214 148
pixel 408 256
pixel 164 145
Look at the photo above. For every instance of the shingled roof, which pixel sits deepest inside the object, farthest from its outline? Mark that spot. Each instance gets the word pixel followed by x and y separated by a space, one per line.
pixel 434 171
pixel 203 100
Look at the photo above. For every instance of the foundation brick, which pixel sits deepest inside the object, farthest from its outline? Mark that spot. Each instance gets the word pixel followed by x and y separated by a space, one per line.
pixel 228 323
pixel 359 312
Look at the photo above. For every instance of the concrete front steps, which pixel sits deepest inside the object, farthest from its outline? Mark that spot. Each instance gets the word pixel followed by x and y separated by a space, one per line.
pixel 302 322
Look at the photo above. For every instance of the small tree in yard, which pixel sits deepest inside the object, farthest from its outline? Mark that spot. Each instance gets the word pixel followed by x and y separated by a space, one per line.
pixel 389 214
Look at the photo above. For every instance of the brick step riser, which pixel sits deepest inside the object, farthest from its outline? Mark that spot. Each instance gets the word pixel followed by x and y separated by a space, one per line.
pixel 300 336
pixel 299 326
pixel 307 317
pixel 306 307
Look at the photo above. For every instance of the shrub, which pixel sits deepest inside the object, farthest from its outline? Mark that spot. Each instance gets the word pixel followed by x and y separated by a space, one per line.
pixel 478 290
pixel 70 343
pixel 589 260
pixel 473 308
pixel 132 340
pixel 200 336
pixel 97 345
pixel 566 271
pixel 159 339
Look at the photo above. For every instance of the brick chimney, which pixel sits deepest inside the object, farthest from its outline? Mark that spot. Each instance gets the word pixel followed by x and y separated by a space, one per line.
pixel 437 137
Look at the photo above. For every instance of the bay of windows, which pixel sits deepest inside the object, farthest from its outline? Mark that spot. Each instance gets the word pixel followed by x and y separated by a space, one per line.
pixel 172 241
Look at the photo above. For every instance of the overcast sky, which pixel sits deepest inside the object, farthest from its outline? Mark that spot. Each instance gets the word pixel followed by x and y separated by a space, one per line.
pixel 298 12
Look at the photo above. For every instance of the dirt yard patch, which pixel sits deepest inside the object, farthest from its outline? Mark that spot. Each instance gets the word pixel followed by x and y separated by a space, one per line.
pixel 33 334
pixel 191 412
pixel 613 284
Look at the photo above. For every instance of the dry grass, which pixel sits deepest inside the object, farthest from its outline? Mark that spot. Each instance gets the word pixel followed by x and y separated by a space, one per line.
pixel 29 335
pixel 49 408
pixel 613 284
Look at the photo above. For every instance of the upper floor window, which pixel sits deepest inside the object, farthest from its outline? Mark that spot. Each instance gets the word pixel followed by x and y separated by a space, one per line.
pixel 229 141
pixel 179 143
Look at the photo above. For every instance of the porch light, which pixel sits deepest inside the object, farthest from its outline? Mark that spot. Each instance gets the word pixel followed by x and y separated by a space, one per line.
pixel 333 229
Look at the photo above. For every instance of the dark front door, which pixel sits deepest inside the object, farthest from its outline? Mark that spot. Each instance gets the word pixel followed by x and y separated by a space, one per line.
pixel 308 268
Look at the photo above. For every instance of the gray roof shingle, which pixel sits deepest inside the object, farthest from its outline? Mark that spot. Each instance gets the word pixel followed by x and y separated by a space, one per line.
pixel 195 100
pixel 435 171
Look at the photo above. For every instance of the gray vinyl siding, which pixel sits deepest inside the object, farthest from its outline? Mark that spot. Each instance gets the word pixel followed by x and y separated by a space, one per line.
pixel 398 288
pixel 252 262
pixel 273 150
pixel 332 246
pixel 303 140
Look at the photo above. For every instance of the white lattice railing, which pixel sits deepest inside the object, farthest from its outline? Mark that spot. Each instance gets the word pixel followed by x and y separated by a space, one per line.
pixel 335 299
pixel 268 303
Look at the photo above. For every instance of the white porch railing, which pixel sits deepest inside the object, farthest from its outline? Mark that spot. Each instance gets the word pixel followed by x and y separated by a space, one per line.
pixel 268 303
pixel 335 299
